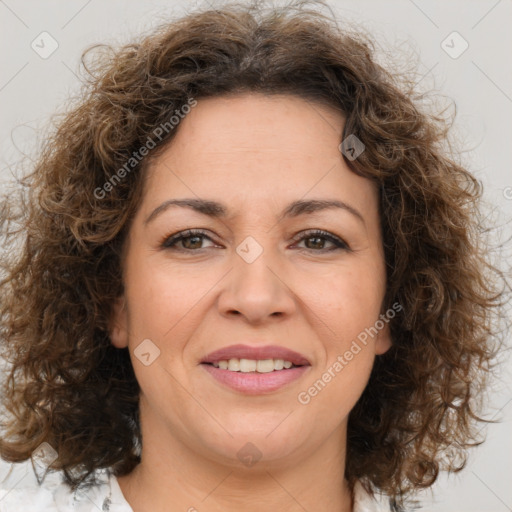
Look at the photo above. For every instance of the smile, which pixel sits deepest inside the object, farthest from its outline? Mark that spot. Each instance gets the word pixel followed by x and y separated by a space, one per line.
pixel 253 381
pixel 253 365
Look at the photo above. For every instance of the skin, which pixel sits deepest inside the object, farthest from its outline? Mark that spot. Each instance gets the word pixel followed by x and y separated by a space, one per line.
pixel 255 154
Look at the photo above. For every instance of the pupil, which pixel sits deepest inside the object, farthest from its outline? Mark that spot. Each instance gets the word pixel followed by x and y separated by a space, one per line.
pixel 188 239
pixel 317 244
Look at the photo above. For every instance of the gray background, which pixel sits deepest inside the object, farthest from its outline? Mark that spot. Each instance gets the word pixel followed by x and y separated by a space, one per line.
pixel 479 80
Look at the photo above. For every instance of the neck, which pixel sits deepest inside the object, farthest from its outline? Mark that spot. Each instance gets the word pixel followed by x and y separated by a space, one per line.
pixel 175 476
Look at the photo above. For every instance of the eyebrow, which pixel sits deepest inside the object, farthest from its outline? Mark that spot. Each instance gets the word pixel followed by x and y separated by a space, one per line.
pixel 218 210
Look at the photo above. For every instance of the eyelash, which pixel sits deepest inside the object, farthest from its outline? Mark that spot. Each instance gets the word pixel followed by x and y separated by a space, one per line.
pixel 170 242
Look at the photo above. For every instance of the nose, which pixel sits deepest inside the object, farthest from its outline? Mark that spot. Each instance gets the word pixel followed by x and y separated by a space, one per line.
pixel 257 290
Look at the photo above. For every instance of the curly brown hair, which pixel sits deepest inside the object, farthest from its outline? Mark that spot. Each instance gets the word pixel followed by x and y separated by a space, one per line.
pixel 70 387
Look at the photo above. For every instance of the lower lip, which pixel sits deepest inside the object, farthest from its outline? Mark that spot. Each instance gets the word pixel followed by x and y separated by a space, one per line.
pixel 255 383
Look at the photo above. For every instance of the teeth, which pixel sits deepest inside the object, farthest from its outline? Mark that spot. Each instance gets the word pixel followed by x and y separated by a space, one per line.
pixel 253 365
pixel 265 366
pixel 234 365
pixel 248 365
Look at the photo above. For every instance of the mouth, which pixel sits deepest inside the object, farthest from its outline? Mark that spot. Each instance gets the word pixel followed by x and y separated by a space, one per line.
pixel 255 370
pixel 253 365
pixel 242 358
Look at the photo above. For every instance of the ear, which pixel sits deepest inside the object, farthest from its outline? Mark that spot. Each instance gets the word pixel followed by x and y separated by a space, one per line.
pixel 119 324
pixel 383 341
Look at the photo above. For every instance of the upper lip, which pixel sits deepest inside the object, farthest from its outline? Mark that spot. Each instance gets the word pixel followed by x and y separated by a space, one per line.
pixel 263 352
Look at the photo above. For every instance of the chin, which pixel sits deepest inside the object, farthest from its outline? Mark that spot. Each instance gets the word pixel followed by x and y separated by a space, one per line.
pixel 249 446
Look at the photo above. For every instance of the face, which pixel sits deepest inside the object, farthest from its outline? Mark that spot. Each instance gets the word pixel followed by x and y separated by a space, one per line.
pixel 255 273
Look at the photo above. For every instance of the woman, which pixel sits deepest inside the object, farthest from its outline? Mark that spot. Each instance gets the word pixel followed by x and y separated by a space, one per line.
pixel 251 280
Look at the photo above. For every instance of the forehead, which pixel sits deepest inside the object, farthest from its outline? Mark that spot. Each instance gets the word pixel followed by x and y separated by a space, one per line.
pixel 253 148
pixel 254 122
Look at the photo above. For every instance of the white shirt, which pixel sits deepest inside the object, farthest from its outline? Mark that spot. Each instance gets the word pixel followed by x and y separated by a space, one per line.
pixel 55 496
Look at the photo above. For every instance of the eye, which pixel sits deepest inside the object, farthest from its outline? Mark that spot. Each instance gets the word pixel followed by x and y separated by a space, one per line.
pixel 315 240
pixel 190 240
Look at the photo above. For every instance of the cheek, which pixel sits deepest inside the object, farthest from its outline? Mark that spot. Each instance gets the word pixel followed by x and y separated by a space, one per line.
pixel 333 392
pixel 347 300
pixel 163 297
pixel 166 306
pixel 348 305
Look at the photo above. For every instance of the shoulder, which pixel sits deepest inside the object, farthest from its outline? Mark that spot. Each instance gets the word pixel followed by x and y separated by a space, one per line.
pixel 53 495
pixel 56 496
pixel 35 499
pixel 364 502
